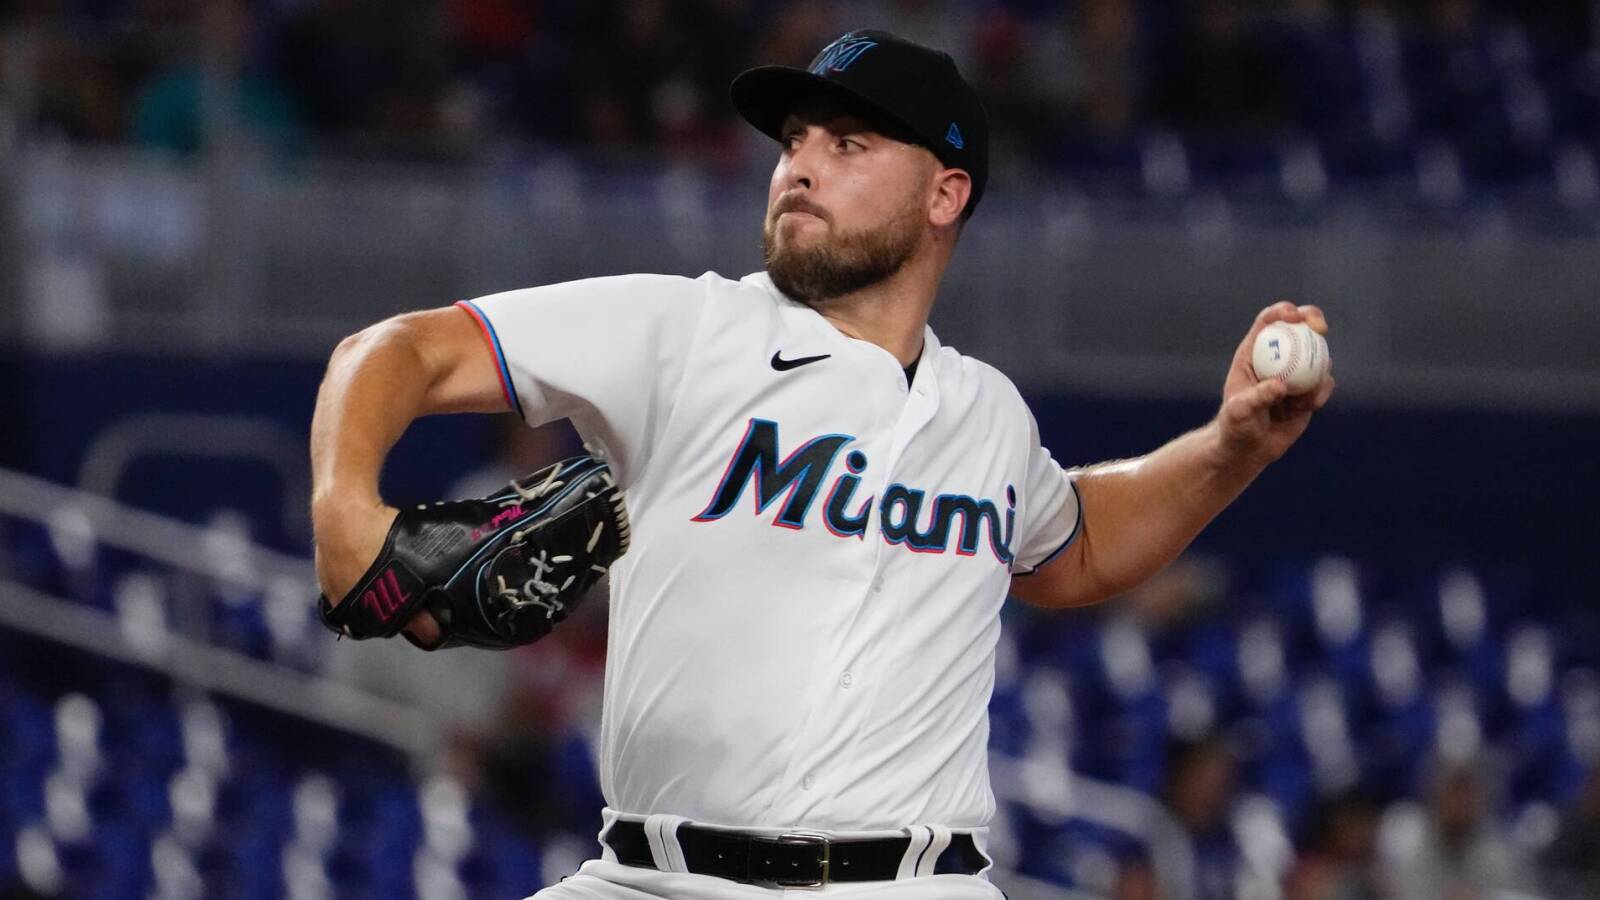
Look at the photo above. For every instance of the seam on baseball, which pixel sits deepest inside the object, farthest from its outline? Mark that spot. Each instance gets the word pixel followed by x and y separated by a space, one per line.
pixel 1294 355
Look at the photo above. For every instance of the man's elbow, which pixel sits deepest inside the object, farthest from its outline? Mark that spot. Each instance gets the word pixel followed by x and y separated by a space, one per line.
pixel 352 345
pixel 394 333
pixel 1064 583
pixel 348 346
pixel 1066 596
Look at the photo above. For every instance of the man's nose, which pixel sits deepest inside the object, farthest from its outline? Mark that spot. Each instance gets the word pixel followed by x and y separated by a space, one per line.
pixel 803 159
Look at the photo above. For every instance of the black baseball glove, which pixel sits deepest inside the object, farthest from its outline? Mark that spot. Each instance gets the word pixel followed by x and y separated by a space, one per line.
pixel 497 572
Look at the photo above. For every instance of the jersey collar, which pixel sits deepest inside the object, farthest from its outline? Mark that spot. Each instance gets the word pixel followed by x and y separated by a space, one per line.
pixel 927 362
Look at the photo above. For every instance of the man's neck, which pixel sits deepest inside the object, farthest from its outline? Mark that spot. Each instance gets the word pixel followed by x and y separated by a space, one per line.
pixel 892 314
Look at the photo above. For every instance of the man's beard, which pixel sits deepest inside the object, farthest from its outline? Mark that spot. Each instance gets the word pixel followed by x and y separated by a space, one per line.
pixel 844 262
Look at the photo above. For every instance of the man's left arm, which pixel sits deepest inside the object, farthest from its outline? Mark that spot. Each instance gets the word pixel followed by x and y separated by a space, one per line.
pixel 1139 514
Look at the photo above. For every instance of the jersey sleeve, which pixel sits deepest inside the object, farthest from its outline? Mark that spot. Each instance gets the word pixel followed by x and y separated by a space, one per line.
pixel 609 353
pixel 1051 513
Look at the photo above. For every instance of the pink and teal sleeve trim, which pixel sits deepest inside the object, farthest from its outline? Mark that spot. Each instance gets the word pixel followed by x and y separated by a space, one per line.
pixel 506 386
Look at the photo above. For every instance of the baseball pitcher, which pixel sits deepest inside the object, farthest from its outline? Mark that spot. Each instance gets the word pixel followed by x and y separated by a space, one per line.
pixel 811 510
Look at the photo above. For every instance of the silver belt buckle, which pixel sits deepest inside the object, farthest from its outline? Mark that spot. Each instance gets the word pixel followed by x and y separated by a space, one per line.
pixel 806 839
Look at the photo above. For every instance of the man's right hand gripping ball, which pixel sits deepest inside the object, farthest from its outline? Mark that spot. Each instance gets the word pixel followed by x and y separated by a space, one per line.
pixel 493 573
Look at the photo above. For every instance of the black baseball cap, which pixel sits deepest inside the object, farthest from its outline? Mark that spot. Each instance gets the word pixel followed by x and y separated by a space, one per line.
pixel 911 86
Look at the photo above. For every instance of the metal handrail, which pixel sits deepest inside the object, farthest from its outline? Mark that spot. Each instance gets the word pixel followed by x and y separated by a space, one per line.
pixel 311 697
pixel 189 661
pixel 160 538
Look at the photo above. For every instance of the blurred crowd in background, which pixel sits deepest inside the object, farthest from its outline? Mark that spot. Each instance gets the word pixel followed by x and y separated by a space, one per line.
pixel 1382 787
pixel 1065 82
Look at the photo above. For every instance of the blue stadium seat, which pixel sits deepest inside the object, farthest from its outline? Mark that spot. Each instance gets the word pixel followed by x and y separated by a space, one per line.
pixel 27 730
pixel 32 559
pixel 144 788
pixel 519 864
pixel 125 867
pixel 258 863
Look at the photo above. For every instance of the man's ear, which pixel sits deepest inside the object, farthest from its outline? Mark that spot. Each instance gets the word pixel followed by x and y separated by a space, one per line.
pixel 952 190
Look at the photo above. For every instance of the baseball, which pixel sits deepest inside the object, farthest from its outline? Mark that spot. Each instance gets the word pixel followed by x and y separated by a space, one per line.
pixel 1292 353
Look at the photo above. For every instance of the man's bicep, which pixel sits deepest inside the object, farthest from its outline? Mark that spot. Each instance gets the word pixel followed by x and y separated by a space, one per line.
pixel 460 356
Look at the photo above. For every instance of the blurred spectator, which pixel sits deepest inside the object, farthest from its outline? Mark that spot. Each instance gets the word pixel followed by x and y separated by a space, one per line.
pixel 77 75
pixel 1022 123
pixel 936 23
pixel 335 55
pixel 377 77
pixel 493 29
pixel 797 31
pixel 1571 865
pixel 1452 849
pixel 1218 77
pixel 1198 857
pixel 1062 78
pixel 216 91
pixel 1340 861
pixel 1065 84
pixel 629 106
pixel 725 33
pixel 1136 880
pixel 1101 67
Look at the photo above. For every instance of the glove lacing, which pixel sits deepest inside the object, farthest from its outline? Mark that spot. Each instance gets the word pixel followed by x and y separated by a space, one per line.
pixel 536 590
pixel 529 494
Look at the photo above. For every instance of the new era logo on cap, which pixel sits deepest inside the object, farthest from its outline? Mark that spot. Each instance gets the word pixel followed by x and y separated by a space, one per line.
pixel 838 56
pixel 953 137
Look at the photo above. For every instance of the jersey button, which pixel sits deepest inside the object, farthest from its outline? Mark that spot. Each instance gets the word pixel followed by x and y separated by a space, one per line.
pixel 807 782
pixel 846 680
pixel 877 586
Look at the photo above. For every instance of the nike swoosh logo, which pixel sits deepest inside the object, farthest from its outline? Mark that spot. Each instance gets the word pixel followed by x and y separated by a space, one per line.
pixel 784 365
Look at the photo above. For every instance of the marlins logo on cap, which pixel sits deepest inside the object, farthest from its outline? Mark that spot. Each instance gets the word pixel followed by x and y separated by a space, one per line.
pixel 837 56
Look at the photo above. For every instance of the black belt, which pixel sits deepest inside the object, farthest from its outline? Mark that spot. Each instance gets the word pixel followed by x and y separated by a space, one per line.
pixel 790 860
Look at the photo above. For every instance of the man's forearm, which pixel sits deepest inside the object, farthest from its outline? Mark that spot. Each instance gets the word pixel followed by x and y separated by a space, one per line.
pixel 1141 513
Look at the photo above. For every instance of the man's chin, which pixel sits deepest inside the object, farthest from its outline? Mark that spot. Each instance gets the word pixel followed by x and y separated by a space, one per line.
pixel 789 277
pixel 794 232
pixel 795 255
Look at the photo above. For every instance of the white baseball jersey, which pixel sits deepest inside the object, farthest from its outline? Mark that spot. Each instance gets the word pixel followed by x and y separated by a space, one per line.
pixel 803 631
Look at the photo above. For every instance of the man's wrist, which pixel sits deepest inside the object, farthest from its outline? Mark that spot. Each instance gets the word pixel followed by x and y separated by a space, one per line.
pixel 1230 460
